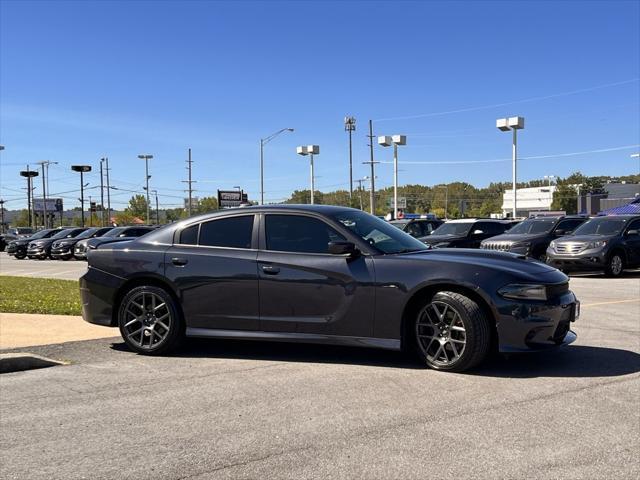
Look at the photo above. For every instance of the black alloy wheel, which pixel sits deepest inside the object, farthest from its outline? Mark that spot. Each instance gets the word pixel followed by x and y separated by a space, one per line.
pixel 452 332
pixel 615 265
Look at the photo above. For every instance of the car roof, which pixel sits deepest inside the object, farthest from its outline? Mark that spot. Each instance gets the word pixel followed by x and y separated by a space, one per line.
pixel 473 220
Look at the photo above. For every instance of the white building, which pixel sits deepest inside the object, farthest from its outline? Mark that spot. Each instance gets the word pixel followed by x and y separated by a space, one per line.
pixel 534 199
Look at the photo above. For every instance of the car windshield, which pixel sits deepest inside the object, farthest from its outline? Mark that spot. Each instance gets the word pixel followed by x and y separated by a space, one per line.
pixel 532 227
pixel 399 224
pixel 62 233
pixel 42 234
pixel 115 232
pixel 87 233
pixel 377 232
pixel 450 228
pixel 601 226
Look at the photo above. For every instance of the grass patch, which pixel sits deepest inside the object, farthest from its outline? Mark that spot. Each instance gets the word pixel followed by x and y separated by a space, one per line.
pixel 39 295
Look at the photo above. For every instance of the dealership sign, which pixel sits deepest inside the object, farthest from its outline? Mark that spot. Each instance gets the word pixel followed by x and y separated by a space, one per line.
pixel 53 205
pixel 231 198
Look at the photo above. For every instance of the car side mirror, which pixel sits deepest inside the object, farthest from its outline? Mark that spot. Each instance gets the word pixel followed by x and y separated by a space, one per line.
pixel 342 248
pixel 477 232
pixel 561 232
pixel 634 231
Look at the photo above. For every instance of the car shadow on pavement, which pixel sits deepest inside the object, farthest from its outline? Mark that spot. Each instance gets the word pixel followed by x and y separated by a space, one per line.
pixel 571 361
pixel 289 352
pixel 578 361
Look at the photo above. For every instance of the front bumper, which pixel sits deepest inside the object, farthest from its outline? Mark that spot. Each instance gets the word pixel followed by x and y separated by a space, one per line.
pixel 586 260
pixel 12 249
pixel 37 252
pixel 62 252
pixel 531 326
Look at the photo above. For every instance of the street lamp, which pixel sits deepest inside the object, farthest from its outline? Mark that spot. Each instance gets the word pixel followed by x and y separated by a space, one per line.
pixel 514 124
pixel 146 159
pixel 29 174
pixel 82 169
pixel 263 142
pixel 350 126
pixel 310 150
pixel 387 141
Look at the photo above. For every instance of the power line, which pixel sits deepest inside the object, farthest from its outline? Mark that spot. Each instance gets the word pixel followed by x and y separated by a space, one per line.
pixel 505 104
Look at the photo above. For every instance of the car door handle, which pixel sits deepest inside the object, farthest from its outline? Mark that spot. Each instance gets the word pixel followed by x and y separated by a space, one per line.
pixel 270 270
pixel 179 261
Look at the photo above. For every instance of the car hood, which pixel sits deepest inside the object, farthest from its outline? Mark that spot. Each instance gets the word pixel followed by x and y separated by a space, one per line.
pixel 584 238
pixel 22 241
pixel 43 241
pixel 441 238
pixel 515 238
pixel 95 242
pixel 509 262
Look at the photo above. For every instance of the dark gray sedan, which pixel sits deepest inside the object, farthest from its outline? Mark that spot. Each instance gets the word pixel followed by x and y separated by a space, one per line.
pixel 324 274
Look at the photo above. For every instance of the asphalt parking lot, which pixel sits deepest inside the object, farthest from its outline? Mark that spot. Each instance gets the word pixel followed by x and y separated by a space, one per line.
pixel 231 409
pixel 64 270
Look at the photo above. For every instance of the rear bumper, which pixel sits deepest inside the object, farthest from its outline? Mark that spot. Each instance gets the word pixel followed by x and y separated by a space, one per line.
pixel 98 293
pixel 534 326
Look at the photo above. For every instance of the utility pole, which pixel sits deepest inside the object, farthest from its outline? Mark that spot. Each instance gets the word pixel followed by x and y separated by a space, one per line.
pixel 101 195
pixel 90 213
pixel 373 172
pixel 29 174
pixel 189 183
pixel 359 181
pixel 108 192
pixel 146 159
pixel 1 215
pixel 44 197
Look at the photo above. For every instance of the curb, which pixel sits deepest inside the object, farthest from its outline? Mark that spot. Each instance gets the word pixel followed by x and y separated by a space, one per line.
pixel 18 362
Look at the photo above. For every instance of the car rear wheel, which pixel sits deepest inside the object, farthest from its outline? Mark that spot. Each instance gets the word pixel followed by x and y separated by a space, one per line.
pixel 21 256
pixel 452 332
pixel 149 320
pixel 615 265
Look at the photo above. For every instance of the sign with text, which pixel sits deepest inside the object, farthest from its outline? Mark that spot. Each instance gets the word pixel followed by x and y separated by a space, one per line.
pixel 53 205
pixel 231 198
pixel 402 203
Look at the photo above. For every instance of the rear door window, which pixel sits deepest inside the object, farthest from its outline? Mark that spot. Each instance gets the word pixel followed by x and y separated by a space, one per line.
pixel 234 232
pixel 189 235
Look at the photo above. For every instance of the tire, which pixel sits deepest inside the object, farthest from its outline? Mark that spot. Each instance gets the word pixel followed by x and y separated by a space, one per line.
pixel 20 256
pixel 147 330
pixel 615 265
pixel 452 333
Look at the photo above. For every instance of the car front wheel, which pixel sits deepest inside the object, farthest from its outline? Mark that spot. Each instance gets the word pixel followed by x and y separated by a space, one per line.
pixel 615 265
pixel 149 320
pixel 452 332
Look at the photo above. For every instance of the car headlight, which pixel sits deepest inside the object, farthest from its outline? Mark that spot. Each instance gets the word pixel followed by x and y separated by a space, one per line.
pixel 596 244
pixel 553 244
pixel 523 291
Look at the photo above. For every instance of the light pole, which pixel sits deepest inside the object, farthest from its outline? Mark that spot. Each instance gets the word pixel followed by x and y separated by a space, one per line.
pixel 155 192
pixel 350 126
pixel 514 124
pixel 29 174
pixel 146 159
pixel 387 141
pixel 263 142
pixel 310 150
pixel 82 169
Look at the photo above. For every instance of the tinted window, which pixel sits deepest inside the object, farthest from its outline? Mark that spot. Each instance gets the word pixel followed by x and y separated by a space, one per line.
pixel 415 230
pixel 601 226
pixel 537 226
pixel 114 232
pixel 189 236
pixel 635 225
pixel 569 225
pixel 449 228
pixel 232 232
pixel 386 238
pixel 88 233
pixel 294 233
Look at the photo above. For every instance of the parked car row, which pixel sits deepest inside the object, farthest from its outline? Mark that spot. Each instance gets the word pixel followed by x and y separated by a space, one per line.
pixel 14 234
pixel 567 242
pixel 64 243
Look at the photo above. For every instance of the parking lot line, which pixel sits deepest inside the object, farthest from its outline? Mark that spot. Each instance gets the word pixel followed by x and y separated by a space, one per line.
pixel 609 303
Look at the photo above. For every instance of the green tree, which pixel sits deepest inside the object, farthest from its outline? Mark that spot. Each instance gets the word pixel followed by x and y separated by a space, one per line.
pixel 207 204
pixel 124 218
pixel 137 207
pixel 565 198
pixel 175 214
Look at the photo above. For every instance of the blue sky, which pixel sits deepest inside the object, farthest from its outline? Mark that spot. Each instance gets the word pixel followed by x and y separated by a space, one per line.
pixel 81 80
